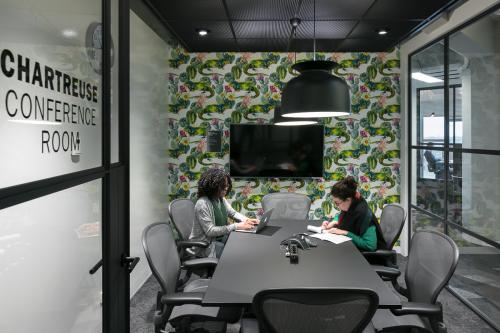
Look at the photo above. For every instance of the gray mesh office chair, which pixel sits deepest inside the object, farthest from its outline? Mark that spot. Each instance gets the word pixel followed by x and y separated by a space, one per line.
pixel 181 212
pixel 181 308
pixel 432 260
pixel 293 206
pixel 312 310
pixel 392 221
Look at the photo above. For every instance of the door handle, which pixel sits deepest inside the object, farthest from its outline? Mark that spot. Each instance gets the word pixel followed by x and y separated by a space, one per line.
pixel 95 268
pixel 130 262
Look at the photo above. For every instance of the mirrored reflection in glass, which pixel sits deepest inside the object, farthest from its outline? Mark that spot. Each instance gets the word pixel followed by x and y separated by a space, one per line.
pixel 474 65
pixel 47 246
pixel 428 180
pixel 477 277
pixel 427 95
pixel 422 221
pixel 474 193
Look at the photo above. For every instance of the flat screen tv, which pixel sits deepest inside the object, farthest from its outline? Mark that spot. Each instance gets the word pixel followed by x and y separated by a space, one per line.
pixel 276 151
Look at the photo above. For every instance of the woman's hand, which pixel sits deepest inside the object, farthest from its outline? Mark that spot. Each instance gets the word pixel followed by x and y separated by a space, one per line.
pixel 245 225
pixel 337 231
pixel 254 221
pixel 327 225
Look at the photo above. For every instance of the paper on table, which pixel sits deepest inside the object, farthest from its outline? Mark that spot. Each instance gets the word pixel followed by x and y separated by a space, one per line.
pixel 333 238
pixel 315 229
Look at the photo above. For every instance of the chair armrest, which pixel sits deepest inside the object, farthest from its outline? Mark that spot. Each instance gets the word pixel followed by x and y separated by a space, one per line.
pixel 200 263
pixel 386 273
pixel 185 244
pixel 424 309
pixel 183 298
pixel 379 253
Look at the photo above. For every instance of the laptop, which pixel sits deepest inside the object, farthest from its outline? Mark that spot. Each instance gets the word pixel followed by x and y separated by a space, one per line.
pixel 263 223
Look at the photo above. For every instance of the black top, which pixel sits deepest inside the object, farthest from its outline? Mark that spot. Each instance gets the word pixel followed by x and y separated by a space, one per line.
pixel 359 218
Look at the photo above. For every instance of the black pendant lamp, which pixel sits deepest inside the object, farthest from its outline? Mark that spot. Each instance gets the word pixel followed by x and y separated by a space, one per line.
pixel 282 121
pixel 315 93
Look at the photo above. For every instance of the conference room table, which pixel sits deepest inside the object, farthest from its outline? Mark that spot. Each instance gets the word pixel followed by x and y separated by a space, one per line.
pixel 253 262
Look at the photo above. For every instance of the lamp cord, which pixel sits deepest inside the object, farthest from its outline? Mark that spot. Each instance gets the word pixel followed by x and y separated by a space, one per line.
pixel 314 30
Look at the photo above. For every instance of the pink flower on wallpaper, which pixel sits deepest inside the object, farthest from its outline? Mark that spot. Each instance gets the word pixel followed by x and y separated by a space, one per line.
pixel 182 89
pixel 201 56
pixel 246 191
pixel 337 144
pixel 395 77
pixel 260 77
pixel 350 121
pixel 246 100
pixel 382 56
pixel 182 178
pixel 363 89
pixel 246 56
pixel 226 133
pixel 200 147
pixel 395 121
pixel 382 145
pixel 260 212
pixel 215 77
pixel 201 101
pixel 363 133
pixel 350 168
pixel 227 89
pixel 382 191
pixel 395 167
pixel 382 100
pixel 364 179
pixel 273 89
pixel 336 56
pixel 350 77
pixel 215 121
pixel 183 133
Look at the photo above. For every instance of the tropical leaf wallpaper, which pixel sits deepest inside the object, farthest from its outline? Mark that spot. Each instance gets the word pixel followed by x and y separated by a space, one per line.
pixel 209 91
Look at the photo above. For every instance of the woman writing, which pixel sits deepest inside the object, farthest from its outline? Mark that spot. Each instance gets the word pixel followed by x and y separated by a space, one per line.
pixel 355 220
pixel 212 211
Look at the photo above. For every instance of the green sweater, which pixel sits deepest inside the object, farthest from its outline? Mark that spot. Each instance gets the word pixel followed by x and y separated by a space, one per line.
pixel 367 241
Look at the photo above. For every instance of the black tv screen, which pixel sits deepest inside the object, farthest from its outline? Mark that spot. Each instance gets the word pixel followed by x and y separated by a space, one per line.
pixel 276 151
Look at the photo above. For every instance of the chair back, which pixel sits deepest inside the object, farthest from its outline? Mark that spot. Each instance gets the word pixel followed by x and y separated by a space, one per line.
pixel 392 221
pixel 432 260
pixel 181 213
pixel 159 246
pixel 315 310
pixel 293 206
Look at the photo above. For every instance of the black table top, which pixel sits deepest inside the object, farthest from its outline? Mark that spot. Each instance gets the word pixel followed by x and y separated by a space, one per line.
pixel 253 262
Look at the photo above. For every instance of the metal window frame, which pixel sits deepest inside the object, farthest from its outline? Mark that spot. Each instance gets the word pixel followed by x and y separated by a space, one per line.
pixel 446 149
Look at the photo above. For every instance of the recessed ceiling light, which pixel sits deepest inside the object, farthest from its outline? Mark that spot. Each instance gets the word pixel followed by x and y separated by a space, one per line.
pixel 69 33
pixel 382 31
pixel 202 32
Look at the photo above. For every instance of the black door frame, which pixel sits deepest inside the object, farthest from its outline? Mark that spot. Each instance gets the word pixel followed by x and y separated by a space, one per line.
pixel 447 149
pixel 115 181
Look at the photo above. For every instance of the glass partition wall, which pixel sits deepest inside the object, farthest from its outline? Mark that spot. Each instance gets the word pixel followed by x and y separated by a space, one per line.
pixel 455 154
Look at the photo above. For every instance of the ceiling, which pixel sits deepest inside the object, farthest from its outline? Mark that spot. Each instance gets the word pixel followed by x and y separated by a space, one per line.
pixel 263 25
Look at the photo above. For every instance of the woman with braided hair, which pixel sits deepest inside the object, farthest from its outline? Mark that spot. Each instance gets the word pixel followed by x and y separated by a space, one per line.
pixel 356 220
pixel 212 211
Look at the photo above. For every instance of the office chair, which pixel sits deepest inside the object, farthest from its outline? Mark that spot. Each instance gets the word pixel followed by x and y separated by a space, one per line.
pixel 181 212
pixel 392 221
pixel 181 308
pixel 292 206
pixel 432 260
pixel 312 310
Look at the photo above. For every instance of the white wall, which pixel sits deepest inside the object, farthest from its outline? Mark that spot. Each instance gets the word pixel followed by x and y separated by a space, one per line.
pixel 148 138
pixel 460 15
